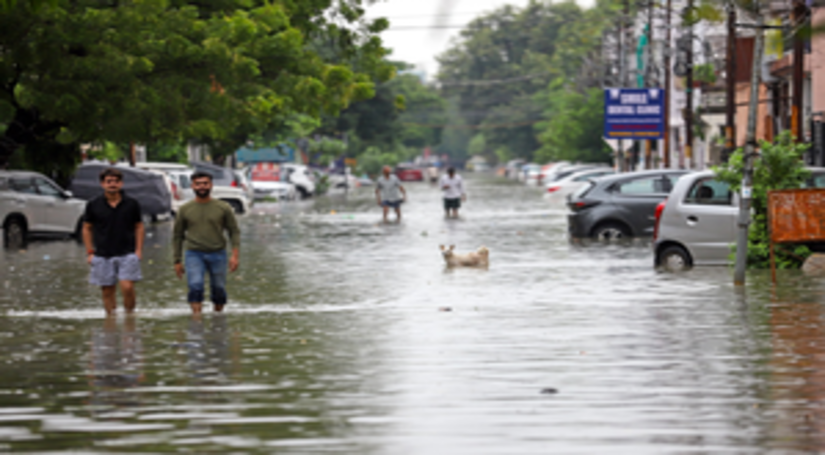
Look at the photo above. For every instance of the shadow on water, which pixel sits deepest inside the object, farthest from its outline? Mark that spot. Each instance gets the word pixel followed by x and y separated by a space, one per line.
pixel 334 342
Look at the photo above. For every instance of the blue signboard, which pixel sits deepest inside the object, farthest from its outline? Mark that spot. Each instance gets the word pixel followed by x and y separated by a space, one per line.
pixel 634 113
pixel 281 153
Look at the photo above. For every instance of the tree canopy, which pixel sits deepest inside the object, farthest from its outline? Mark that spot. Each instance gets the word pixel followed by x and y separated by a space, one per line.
pixel 87 71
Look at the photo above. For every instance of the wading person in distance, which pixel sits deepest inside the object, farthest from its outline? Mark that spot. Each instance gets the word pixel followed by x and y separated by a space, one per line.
pixel 201 224
pixel 453 188
pixel 113 234
pixel 390 193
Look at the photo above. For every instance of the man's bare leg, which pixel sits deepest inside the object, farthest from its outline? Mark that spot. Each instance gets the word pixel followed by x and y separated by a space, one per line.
pixel 197 308
pixel 386 213
pixel 109 299
pixel 398 214
pixel 127 288
pixel 218 308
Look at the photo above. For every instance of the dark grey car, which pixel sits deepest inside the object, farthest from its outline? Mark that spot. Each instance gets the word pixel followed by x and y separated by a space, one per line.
pixel 621 205
pixel 148 188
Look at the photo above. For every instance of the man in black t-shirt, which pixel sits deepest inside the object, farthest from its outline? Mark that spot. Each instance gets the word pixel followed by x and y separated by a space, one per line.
pixel 113 234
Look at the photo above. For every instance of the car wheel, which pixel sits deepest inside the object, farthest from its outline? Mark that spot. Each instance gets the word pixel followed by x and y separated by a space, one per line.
pixel 611 232
pixel 14 233
pixel 304 194
pixel 236 206
pixel 675 259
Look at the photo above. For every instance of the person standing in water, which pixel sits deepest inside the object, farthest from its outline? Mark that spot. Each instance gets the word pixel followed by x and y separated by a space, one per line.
pixel 453 187
pixel 389 193
pixel 113 234
pixel 201 223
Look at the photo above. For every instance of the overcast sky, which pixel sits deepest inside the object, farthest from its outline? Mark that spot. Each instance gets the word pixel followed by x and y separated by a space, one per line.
pixel 413 35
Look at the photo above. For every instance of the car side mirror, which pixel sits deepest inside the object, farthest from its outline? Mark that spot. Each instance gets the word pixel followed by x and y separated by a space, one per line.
pixel 68 194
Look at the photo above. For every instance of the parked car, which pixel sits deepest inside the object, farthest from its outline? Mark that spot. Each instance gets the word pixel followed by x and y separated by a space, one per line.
pixel 619 206
pixel 513 168
pixel 268 182
pixel 560 189
pixel 165 169
pixel 532 174
pixel 696 225
pixel 227 194
pixel 149 188
pixel 409 173
pixel 567 170
pixel 226 186
pixel 32 204
pixel 300 176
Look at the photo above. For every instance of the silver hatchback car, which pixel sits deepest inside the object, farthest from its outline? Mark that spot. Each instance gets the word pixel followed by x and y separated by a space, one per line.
pixel 31 204
pixel 696 225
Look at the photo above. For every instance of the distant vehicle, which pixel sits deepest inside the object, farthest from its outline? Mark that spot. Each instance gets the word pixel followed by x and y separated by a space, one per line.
pixel 619 206
pixel 150 189
pixel 560 189
pixel 267 182
pixel 566 170
pixel 185 194
pixel 513 168
pixel 531 174
pixel 226 186
pixel 244 183
pixel 300 176
pixel 165 169
pixel 696 225
pixel 32 204
pixel 409 173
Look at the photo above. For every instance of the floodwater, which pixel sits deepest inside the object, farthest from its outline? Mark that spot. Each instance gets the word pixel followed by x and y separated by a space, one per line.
pixel 335 341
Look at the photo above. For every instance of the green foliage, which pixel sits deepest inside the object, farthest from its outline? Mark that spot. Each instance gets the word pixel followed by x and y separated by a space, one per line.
pixel 573 131
pixel 778 167
pixel 705 73
pixel 164 72
pixel 520 52
pixel 169 153
pixel 325 150
pixel 373 159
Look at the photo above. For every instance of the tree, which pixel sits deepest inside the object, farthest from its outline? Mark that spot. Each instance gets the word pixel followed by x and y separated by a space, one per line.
pixel 83 71
pixel 573 131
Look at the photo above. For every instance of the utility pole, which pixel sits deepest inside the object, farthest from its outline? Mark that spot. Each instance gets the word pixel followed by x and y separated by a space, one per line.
pixel 689 88
pixel 648 82
pixel 730 111
pixel 668 51
pixel 750 152
pixel 621 162
pixel 132 154
pixel 798 71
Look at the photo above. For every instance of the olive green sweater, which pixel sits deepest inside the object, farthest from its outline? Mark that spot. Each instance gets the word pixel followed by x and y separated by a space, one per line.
pixel 202 226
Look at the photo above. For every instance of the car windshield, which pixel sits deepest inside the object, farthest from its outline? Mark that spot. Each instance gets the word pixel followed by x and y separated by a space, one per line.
pixel 184 181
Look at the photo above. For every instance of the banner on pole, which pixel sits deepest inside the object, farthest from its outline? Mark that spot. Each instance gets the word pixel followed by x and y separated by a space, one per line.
pixel 634 113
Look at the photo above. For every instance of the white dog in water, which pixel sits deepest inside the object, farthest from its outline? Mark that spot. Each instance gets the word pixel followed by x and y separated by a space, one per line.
pixel 478 258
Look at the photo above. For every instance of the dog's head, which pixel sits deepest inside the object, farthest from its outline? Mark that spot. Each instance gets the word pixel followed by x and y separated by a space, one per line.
pixel 483 251
pixel 447 252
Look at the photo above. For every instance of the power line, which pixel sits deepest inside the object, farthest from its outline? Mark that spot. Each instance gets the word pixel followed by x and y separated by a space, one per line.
pixel 405 28
pixel 492 81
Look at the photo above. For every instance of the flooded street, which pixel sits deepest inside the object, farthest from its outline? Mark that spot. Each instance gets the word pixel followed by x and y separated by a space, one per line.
pixel 334 342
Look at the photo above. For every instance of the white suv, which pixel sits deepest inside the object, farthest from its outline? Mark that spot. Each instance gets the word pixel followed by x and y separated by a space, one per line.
pixel 32 204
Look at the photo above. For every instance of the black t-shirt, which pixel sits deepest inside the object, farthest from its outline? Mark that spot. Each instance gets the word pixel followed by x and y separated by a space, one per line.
pixel 113 228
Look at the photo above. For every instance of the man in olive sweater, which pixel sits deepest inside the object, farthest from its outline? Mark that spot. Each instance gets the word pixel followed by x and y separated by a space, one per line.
pixel 201 224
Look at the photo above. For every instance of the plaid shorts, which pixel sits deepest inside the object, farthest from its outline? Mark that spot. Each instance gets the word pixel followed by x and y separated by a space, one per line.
pixel 108 271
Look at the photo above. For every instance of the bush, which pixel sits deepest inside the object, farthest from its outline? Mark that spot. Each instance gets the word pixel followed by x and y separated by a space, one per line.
pixel 779 166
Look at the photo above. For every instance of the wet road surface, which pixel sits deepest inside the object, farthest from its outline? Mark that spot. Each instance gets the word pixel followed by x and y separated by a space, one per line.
pixel 334 342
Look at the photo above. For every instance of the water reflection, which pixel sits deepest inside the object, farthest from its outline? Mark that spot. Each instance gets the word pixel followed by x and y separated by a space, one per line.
pixel 211 349
pixel 115 365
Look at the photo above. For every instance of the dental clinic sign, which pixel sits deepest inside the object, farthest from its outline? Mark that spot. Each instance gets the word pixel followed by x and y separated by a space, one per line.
pixel 634 113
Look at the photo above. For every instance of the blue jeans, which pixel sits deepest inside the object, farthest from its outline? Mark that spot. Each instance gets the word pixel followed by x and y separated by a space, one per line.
pixel 198 264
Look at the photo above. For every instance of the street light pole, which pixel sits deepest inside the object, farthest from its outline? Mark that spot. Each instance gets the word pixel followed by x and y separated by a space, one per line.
pixel 668 50
pixel 798 71
pixel 730 114
pixel 689 89
pixel 622 78
pixel 750 152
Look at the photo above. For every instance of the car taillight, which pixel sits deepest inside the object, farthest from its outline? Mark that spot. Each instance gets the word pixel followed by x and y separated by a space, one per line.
pixel 658 216
pixel 234 184
pixel 581 205
pixel 553 189
pixel 175 192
